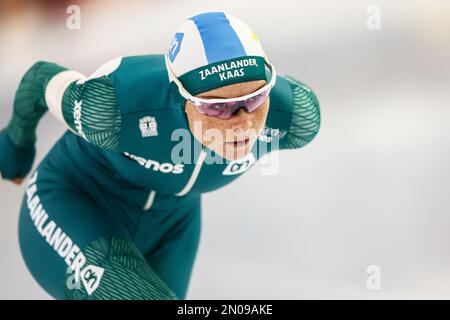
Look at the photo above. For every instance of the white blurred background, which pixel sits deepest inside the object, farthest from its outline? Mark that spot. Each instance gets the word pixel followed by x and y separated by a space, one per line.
pixel 371 189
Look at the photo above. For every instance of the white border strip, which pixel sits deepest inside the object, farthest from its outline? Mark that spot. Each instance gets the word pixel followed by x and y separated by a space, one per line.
pixel 54 92
pixel 194 175
pixel 149 203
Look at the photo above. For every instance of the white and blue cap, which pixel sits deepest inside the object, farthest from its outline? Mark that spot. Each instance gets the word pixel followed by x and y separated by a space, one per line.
pixel 215 49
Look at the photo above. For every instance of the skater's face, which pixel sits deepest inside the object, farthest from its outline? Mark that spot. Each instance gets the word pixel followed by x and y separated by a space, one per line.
pixel 231 138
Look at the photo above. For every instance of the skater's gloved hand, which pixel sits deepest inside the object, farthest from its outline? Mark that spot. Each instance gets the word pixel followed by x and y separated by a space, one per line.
pixel 15 161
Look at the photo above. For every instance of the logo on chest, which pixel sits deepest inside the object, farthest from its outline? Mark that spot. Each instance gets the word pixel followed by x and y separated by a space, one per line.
pixel 155 165
pixel 239 166
pixel 148 127
pixel 268 134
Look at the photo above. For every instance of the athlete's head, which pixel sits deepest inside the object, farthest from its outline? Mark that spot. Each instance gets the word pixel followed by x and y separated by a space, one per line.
pixel 216 56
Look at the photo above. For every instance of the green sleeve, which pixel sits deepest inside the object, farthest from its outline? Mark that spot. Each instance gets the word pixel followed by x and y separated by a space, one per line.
pixel 29 103
pixel 305 121
pixel 98 118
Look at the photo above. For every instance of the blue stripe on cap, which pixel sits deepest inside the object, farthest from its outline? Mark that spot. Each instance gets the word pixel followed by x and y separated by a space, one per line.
pixel 219 38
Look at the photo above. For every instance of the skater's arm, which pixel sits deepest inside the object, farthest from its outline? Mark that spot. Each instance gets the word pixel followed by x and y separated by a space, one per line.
pixel 87 106
pixel 305 121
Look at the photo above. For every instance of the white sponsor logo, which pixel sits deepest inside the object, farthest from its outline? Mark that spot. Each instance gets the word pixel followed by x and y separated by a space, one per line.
pixel 61 243
pixel 148 127
pixel 163 167
pixel 239 166
pixel 268 134
pixel 77 118
pixel 90 276
pixel 228 69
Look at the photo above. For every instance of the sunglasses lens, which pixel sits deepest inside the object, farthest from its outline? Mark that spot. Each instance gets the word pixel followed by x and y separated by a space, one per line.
pixel 226 110
pixel 218 110
pixel 255 102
